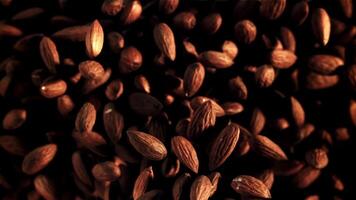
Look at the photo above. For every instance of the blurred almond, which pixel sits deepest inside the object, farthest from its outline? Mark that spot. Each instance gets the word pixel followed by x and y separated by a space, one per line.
pixel 232 108
pixel 144 104
pixel 131 12
pixel 80 169
pixel 168 6
pixel 245 31
pixel 142 83
pixel 65 105
pixel 317 158
pixel 130 60
pixel 180 183
pixel 116 41
pixel 73 33
pixel 297 112
pixel 268 149
pixel 346 6
pixel 321 25
pixel 272 9
pixel 316 81
pixel 114 90
pixel 106 171
pixel 185 20
pixel 38 158
pixel 300 12
pixel 324 64
pixel 86 117
pixel 282 58
pixel 12 145
pixel 14 119
pixel 238 88
pixel 45 187
pixel 305 177
pixel 113 122
pixel 265 76
pixel 112 7
pixel 211 23
pixel 258 121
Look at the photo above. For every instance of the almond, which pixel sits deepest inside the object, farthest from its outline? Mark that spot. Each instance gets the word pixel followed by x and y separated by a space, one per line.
pixel 245 31
pixel 297 112
pixel 317 158
pixel 179 184
pixel 45 187
pixel 193 78
pixel 164 39
pixel 268 149
pixel 201 188
pixel 91 69
pixel 144 104
pixel 250 186
pixel 94 39
pixel 203 118
pixel 14 119
pixel 216 59
pixel 141 182
pixel 49 54
pixel 272 9
pixel 106 171
pixel 113 122
pixel 86 117
pixel 282 59
pixel 324 64
pixel 38 158
pixel 185 152
pixel 321 25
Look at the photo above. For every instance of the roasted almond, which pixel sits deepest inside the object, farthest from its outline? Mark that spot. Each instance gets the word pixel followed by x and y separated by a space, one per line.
pixel 94 39
pixel 306 177
pixel 297 112
pixel 106 171
pixel 193 78
pixel 185 20
pixel 203 118
pixel 201 188
pixel 316 81
pixel 321 25
pixel 258 121
pixel 52 88
pixel 245 31
pixel 211 23
pixel 141 182
pixel 45 187
pixel 49 54
pixel 131 12
pixel 142 83
pixel 168 6
pixel 179 184
pixel 164 39
pixel 324 64
pixel 112 7
pixel 317 158
pixel 116 41
pixel 113 122
pixel 199 100
pixel 238 87
pixel 38 158
pixel 14 119
pixel 185 152
pixel 272 9
pixel 114 90
pixel 268 149
pixel 300 12
pixel 91 69
pixel 144 104
pixel 250 186
pixel 73 33
pixel 86 117
pixel 282 59
pixel 65 105
pixel 265 76
pixel 147 145
pixel 130 60
pixel 223 146
pixel 216 59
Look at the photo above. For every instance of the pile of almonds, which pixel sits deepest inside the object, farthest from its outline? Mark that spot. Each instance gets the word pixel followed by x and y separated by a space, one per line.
pixel 173 99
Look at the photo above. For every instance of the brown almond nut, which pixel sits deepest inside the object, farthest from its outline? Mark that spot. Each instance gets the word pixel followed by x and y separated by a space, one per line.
pixel 232 108
pixel 182 126
pixel 258 121
pixel 268 149
pixel 324 64
pixel 190 48
pixel 305 177
pixel 144 104
pixel 316 81
pixel 211 23
pixel 27 14
pixel 238 88
pixel 116 41
pixel 216 59
pixel 300 12
pixel 142 83
pixel 142 182
pixel 94 39
pixel 91 69
pixel 199 100
pixel 223 145
pixel 164 39
pixel 201 188
pixel 65 105
pixel 185 152
pixel 288 39
pixel 131 12
pixel 288 167
pixel 179 184
pixel 12 145
pixel 352 111
pixel 90 140
pixel 159 125
pixel 106 171
pixel 321 25
pixel 317 158
pixel 9 30
pixel 92 84
pixel 250 186
pixel 272 9
pixel 114 90
pixel 230 48
pixel 346 6
pixel 147 145
pixel 338 184
pixel 203 118
pixel 214 179
pixel 282 59
pixel 4 84
pixel 130 60
pixel 112 7
pixel 49 54
pixel 168 6
pixel 170 167
pixel 38 158
pixel 193 78
pixel 80 169
pixel 73 33
pixel 305 131
pixel 86 117
pixel 297 112
pixel 113 122
pixel 45 187
pixel 267 177
pixel 51 88
pixel 14 119
pixel 185 20
pixel 265 76
pixel 245 31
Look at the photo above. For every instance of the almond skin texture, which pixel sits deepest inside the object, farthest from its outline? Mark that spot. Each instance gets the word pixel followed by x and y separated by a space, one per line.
pixel 272 9
pixel 91 69
pixel 147 145
pixel 297 111
pixel 324 64
pixel 185 152
pixel 203 118
pixel 245 31
pixel 38 159
pixel 49 54
pixel 201 188
pixel 86 117
pixel 282 59
pixel 267 148
pixel 216 59
pixel 193 78
pixel 250 186
pixel 321 25
pixel 53 88
pixel 164 39
pixel 317 158
pixel 141 182
pixel 223 146
pixel 94 39
pixel 316 81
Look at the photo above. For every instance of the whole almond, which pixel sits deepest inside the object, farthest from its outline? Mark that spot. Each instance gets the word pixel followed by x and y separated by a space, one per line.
pixel 14 119
pixel 324 64
pixel 272 9
pixel 113 122
pixel 131 12
pixel 250 186
pixel 94 39
pixel 230 48
pixel 185 152
pixel 282 58
pixel 144 104
pixel 92 84
pixel 216 59
pixel 147 145
pixel 27 14
pixel 193 78
pixel 185 20
pixel 130 60
pixel 297 112
pixel 316 81
pixel 91 69
pixel 232 108
pixel 52 88
pixel 168 6
pixel 267 177
pixel 300 12
pixel 238 87
pixel 80 169
pixel 49 54
pixel 65 105
pixel 199 100
pixel 12 145
pixel 114 90
pixel 214 179
pixel 305 131
pixel 258 121
pixel 268 149
pixel 90 140
pixel 211 23
pixel 86 117
pixel 245 31
pixel 116 41
pixel 346 6
pixel 106 171
pixel 164 39
pixel 45 187
pixel 306 177
pixel 179 184
pixel 265 76
pixel 288 39
pixel 288 167
pixel 38 158
pixel 9 30
pixel 223 146
pixel 317 158
pixel 321 25
pixel 141 182
pixel 203 118
pixel 201 188
pixel 73 33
